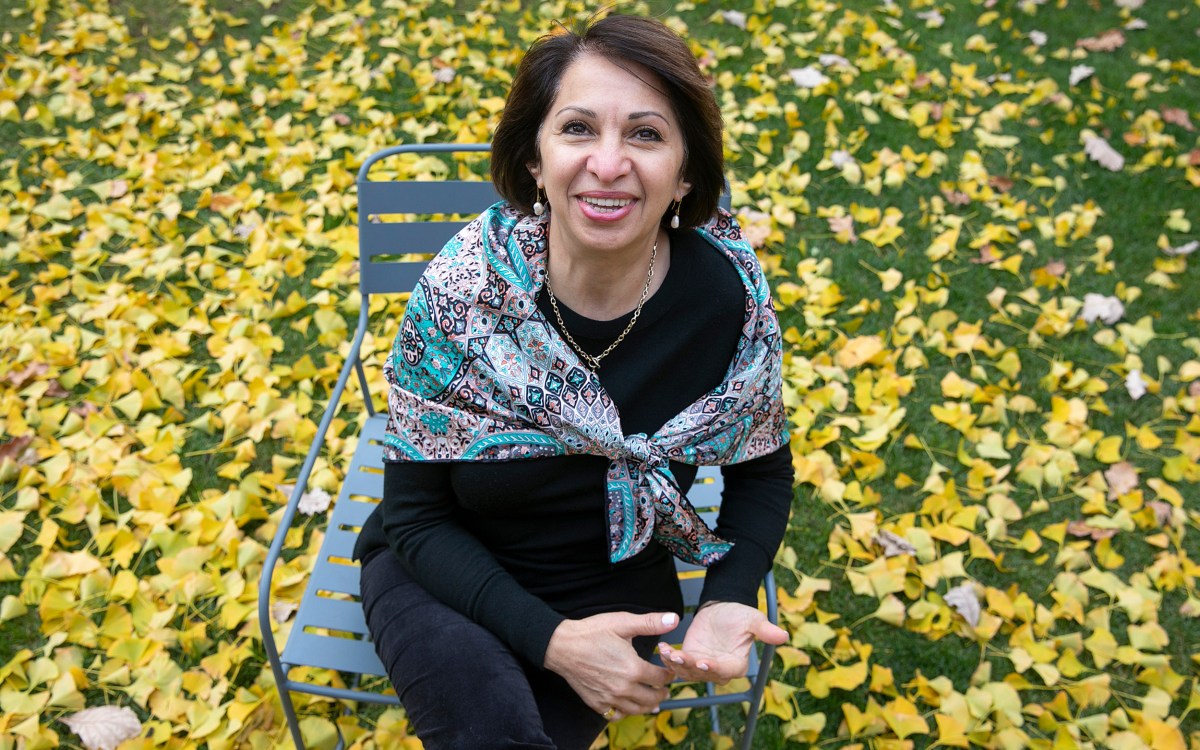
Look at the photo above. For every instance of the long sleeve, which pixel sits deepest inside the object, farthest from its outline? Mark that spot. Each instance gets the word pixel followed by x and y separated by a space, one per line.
pixel 754 514
pixel 417 514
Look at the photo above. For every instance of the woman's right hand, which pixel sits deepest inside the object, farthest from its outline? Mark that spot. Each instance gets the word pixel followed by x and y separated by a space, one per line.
pixel 596 657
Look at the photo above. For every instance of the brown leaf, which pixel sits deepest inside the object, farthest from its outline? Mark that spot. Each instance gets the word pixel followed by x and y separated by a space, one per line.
pixel 56 390
pixel 1194 157
pixel 84 408
pixel 1194 389
pixel 20 378
pixel 956 197
pixel 1121 478
pixel 1055 268
pixel 1177 116
pixel 18 450
pixel 1083 528
pixel 1133 138
pixel 1001 183
pixel 1109 41
pixel 1162 512
pixel 987 254
pixel 840 224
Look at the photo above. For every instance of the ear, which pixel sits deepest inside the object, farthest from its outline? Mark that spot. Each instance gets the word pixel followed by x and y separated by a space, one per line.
pixel 535 169
pixel 684 188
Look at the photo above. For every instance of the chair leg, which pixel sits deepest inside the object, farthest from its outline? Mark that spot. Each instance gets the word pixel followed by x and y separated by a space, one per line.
pixel 289 713
pixel 760 685
pixel 713 717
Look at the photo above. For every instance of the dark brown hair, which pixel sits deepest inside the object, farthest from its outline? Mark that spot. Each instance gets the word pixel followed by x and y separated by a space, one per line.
pixel 621 39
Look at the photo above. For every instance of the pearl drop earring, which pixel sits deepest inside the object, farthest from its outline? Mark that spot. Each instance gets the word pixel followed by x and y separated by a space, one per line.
pixel 675 218
pixel 539 208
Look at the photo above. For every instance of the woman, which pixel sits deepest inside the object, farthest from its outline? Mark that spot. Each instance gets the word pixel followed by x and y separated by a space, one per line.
pixel 562 368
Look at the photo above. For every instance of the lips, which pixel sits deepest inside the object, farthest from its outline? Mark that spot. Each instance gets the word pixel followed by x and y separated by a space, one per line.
pixel 603 208
pixel 602 203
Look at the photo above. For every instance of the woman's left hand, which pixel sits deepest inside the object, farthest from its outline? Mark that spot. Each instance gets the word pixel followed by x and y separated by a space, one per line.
pixel 717 645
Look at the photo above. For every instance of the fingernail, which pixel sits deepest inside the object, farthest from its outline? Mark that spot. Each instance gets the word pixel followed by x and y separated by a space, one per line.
pixel 703 667
pixel 669 618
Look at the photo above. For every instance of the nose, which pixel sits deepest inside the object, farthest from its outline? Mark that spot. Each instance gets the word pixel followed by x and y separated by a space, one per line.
pixel 608 160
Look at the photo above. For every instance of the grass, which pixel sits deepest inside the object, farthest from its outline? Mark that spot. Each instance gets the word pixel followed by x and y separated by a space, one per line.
pixel 290 48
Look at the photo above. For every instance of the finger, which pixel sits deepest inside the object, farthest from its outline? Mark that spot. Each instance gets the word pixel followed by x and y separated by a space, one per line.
pixel 641 699
pixel 768 632
pixel 654 623
pixel 653 676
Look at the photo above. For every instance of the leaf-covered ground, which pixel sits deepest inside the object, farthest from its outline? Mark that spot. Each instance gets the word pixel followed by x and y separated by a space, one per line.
pixel 981 221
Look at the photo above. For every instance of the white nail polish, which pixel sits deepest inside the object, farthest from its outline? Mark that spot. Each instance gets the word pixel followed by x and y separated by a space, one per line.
pixel 669 618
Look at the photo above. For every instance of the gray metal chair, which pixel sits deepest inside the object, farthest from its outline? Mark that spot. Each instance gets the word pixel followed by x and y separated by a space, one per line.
pixel 329 630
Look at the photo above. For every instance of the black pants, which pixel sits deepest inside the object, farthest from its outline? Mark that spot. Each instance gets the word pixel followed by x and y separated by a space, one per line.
pixel 461 687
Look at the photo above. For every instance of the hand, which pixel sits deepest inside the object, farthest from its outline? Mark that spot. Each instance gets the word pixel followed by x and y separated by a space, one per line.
pixel 596 657
pixel 717 645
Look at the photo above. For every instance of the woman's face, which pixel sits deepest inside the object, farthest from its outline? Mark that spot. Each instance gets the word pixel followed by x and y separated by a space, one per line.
pixel 611 155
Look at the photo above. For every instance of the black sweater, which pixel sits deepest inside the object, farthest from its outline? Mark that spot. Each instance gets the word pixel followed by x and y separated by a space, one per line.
pixel 518 546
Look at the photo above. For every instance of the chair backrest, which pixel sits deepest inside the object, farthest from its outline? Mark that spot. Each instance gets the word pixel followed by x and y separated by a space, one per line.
pixel 382 240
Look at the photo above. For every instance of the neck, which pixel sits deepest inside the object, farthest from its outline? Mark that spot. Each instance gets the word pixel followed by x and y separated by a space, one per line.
pixel 608 285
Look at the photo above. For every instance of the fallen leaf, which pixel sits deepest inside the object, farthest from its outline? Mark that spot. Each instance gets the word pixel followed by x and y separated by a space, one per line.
pixel 956 197
pixel 1111 40
pixel 1101 307
pixel 18 450
pixel 1038 38
pixel 1135 384
pixel 1099 151
pixel 1185 249
pixel 1083 528
pixel 20 378
pixel 1055 268
pixel 893 544
pixel 1080 73
pixel 1121 478
pixel 1163 512
pixel 844 226
pixel 104 727
pixel 987 254
pixel 964 601
pixel 282 611
pixel 1178 116
pixel 734 17
pixel 1001 183
pixel 314 501
pixel 808 77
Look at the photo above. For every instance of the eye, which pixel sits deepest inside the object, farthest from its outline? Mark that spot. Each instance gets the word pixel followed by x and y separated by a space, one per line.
pixel 575 127
pixel 647 133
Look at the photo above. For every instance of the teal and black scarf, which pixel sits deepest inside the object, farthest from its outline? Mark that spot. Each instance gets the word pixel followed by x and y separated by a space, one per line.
pixel 477 373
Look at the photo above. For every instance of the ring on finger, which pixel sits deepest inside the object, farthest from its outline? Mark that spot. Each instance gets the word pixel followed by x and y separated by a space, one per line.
pixel 610 714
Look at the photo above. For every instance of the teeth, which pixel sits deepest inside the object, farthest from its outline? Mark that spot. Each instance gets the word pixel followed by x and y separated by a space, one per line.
pixel 608 202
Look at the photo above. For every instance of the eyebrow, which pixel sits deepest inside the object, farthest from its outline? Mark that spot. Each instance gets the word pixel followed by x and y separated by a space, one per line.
pixel 632 115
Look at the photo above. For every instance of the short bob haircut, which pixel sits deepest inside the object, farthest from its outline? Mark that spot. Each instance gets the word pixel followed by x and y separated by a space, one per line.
pixel 625 40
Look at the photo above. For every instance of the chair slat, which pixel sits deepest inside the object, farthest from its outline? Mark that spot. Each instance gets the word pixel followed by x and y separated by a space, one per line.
pixel 424 197
pixel 403 237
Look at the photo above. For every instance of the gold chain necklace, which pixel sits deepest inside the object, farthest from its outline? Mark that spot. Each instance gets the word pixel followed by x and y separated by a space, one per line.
pixel 594 361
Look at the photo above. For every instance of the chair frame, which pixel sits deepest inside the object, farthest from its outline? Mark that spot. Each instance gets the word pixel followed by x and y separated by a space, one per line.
pixel 333 573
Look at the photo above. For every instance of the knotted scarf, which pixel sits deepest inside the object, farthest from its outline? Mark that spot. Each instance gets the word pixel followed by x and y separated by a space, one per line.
pixel 477 373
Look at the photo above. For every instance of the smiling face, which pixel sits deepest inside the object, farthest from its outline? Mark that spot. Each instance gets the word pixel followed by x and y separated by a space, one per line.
pixel 611 158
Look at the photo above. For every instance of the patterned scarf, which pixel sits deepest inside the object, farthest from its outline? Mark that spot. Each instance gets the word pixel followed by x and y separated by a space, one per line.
pixel 477 373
